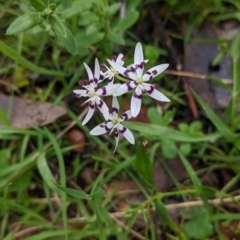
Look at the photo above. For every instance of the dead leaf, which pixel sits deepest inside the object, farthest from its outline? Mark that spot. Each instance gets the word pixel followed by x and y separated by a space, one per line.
pixel 26 113
pixel 198 58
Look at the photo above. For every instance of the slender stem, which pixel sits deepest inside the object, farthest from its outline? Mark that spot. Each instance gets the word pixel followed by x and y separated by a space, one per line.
pixel 121 78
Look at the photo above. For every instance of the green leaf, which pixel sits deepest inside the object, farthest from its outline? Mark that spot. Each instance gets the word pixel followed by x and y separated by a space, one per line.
pixel 25 22
pixel 195 127
pixel 52 6
pixel 11 53
pixel 191 173
pixel 207 192
pixel 168 148
pixel 183 127
pixel 57 25
pixel 67 41
pixel 88 18
pixel 56 2
pixel 166 132
pixel 116 38
pixel 185 148
pixel 45 172
pixel 99 210
pixel 219 124
pixel 98 193
pixel 235 46
pixel 198 226
pixel 72 192
pixel 111 10
pixel 161 211
pixel 154 116
pixel 142 165
pixel 130 18
pixel 38 5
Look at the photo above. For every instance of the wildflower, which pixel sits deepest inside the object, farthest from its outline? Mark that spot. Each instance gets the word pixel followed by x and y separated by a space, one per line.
pixel 114 124
pixel 93 93
pixel 135 73
pixel 110 73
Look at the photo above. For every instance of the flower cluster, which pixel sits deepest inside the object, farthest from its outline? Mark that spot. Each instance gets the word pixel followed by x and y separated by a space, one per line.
pixel 134 78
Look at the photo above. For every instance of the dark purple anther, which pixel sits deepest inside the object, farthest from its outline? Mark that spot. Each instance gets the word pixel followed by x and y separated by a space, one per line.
pixel 78 95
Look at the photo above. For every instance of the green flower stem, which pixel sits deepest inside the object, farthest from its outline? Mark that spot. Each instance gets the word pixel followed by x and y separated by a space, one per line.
pixel 121 78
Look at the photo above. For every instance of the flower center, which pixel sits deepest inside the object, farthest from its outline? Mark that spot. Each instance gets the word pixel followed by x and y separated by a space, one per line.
pixel 114 121
pixel 113 71
pixel 139 80
pixel 91 94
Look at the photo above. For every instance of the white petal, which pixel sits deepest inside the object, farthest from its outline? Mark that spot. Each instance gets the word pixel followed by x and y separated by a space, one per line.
pixel 153 72
pixel 122 70
pixel 119 59
pixel 103 108
pixel 126 87
pixel 89 72
pixel 82 93
pixel 154 93
pixel 115 105
pixel 96 69
pixel 91 110
pixel 138 54
pixel 127 133
pixel 136 101
pixel 116 136
pixel 126 115
pixel 98 130
pixel 108 90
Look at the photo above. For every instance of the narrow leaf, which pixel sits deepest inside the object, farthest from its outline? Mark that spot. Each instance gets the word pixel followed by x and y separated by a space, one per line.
pixel 219 124
pixel 191 173
pixel 166 132
pixel 72 192
pixel 25 22
pixel 11 53
pixel 45 172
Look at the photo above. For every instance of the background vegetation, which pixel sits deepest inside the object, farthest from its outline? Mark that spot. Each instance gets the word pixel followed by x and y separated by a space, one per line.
pixel 180 180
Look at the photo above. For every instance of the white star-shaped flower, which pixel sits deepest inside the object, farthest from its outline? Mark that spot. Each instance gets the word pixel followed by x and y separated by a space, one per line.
pixel 94 93
pixel 135 73
pixel 113 124
pixel 109 72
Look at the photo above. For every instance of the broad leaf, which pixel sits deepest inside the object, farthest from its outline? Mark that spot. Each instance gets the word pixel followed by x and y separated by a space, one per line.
pixel 142 165
pixel 57 25
pixel 116 38
pixel 25 22
pixel 198 226
pixel 64 35
pixel 111 10
pixel 130 18
pixel 38 5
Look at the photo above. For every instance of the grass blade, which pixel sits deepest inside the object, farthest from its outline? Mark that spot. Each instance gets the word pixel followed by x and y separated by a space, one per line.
pixel 218 123
pixel 11 53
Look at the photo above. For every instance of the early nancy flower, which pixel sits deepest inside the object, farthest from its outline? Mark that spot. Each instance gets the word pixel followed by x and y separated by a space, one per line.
pixel 114 124
pixel 135 73
pixel 93 93
pixel 109 73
